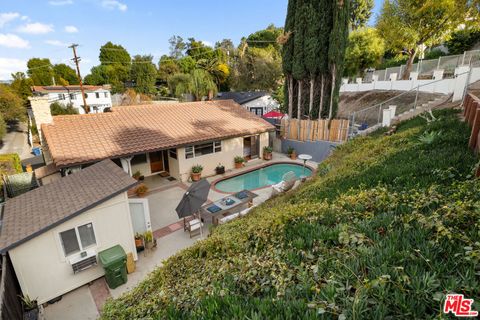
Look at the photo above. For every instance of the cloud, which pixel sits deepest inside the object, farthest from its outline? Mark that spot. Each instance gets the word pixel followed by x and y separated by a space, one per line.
pixel 56 43
pixel 207 43
pixel 60 2
pixel 6 17
pixel 9 66
pixel 71 29
pixel 36 28
pixel 114 4
pixel 13 41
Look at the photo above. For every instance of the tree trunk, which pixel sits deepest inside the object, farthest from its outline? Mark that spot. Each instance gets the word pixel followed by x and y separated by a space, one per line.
pixel 299 104
pixel 290 96
pixel 320 107
pixel 330 111
pixel 310 102
pixel 408 68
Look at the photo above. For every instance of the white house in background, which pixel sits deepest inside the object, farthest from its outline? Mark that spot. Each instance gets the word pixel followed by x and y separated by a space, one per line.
pixel 257 102
pixel 97 97
pixel 53 234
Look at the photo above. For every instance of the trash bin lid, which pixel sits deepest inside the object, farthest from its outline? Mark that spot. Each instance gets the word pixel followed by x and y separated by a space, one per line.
pixel 111 255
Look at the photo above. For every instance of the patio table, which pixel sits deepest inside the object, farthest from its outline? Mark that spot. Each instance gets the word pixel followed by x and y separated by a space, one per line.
pixel 217 209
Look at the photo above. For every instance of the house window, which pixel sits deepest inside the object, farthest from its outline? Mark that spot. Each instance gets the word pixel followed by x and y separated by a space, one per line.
pixel 139 159
pixel 189 152
pixel 77 239
pixel 61 96
pixel 106 94
pixel 73 96
pixel 86 95
pixel 203 149
pixel 173 153
pixel 97 95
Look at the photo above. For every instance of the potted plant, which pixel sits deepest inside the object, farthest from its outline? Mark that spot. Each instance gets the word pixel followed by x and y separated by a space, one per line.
pixel 141 190
pixel 267 153
pixel 30 308
pixel 291 152
pixel 220 169
pixel 136 175
pixel 148 237
pixel 196 172
pixel 239 160
pixel 138 241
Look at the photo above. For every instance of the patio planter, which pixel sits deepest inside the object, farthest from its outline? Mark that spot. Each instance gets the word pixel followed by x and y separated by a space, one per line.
pixel 293 156
pixel 238 165
pixel 196 176
pixel 267 156
pixel 31 314
pixel 220 170
pixel 149 245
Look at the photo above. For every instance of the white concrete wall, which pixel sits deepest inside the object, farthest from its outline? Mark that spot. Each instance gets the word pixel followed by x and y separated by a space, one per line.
pixel 230 149
pixel 102 102
pixel 41 112
pixel 41 266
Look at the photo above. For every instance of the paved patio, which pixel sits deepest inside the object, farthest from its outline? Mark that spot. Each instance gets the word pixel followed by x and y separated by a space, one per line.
pixel 163 197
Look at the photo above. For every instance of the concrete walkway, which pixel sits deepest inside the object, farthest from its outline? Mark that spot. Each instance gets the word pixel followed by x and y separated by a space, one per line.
pixel 16 141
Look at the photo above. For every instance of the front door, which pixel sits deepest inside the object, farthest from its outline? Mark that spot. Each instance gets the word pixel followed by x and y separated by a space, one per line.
pixel 140 215
pixel 254 145
pixel 156 161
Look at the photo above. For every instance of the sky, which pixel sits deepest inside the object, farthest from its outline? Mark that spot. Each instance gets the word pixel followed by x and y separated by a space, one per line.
pixel 45 28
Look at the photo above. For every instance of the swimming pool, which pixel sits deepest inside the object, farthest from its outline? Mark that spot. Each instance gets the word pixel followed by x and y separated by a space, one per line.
pixel 261 177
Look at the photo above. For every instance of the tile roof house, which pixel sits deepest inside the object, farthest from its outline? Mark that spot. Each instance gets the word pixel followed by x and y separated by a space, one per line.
pixel 52 230
pixel 257 102
pixel 156 138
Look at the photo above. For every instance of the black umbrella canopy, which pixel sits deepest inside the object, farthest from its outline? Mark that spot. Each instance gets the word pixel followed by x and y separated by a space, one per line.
pixel 193 199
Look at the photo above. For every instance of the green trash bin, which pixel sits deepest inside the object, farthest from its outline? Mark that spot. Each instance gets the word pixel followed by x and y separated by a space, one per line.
pixel 114 261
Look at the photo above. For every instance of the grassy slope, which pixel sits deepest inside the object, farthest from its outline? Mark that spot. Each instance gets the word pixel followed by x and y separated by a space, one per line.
pixel 387 228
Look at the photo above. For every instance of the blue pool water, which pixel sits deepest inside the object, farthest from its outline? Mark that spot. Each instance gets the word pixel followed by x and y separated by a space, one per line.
pixel 263 177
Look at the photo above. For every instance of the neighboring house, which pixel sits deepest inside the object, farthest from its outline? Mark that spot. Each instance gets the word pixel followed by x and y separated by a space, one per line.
pixel 97 97
pixel 162 138
pixel 54 232
pixel 257 102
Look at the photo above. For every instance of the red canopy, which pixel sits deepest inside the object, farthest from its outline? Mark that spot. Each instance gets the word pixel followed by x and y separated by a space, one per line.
pixel 273 114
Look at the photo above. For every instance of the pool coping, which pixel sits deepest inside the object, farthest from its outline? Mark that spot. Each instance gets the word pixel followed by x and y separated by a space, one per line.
pixel 214 182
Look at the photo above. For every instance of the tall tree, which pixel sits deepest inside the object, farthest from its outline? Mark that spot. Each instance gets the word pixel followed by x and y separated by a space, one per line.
pixel 287 53
pixel 312 48
pixel 360 13
pixel 144 74
pixel 64 74
pixel 177 47
pixel 167 67
pixel 299 71
pixel 365 49
pixel 117 63
pixel 199 84
pixel 11 105
pixel 40 71
pixel 408 24
pixel 266 37
pixel 21 85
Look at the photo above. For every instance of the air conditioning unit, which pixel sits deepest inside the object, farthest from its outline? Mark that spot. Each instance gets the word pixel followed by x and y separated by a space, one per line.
pixel 83 261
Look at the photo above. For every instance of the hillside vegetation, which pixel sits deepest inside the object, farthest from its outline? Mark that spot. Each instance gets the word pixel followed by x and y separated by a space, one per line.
pixel 385 230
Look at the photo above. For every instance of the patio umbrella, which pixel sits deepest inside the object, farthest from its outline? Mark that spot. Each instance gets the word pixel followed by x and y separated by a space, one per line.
pixel 193 199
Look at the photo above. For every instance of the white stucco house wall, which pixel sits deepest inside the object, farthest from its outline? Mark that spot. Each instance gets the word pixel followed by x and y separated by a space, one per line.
pixel 158 139
pixel 257 102
pixel 52 231
pixel 98 98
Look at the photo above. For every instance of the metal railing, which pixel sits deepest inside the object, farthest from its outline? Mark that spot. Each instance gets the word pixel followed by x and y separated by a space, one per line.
pixel 425 68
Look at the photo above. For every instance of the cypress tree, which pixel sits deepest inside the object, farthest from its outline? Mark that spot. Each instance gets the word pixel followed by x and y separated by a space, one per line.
pixel 287 55
pixel 326 20
pixel 336 53
pixel 312 48
pixel 299 71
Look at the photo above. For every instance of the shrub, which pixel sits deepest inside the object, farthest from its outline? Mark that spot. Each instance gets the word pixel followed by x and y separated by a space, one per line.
pixel 290 150
pixel 59 109
pixel 388 229
pixel 197 168
pixel 239 159
pixel 267 149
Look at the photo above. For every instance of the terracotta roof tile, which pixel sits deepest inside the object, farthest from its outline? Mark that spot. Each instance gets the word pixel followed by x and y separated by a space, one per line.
pixel 41 209
pixel 135 129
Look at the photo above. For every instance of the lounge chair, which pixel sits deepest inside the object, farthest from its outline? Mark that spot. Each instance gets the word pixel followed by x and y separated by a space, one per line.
pixel 194 227
pixel 287 183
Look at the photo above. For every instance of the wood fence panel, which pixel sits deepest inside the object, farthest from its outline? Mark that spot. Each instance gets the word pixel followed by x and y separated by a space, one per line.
pixel 315 130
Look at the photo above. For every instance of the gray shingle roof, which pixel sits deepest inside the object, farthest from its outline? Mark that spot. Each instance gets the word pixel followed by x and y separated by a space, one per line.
pixel 34 212
pixel 240 97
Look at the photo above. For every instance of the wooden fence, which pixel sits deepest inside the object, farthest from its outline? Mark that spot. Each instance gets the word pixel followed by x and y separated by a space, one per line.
pixel 315 130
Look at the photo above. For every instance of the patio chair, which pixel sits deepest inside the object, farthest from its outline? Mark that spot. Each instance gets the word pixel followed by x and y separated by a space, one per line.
pixel 287 183
pixel 194 227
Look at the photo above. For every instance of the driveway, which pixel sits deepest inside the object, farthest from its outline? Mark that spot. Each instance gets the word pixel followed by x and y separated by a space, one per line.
pixel 16 140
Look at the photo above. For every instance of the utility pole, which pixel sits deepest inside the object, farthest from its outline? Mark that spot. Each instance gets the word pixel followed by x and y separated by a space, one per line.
pixel 77 60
